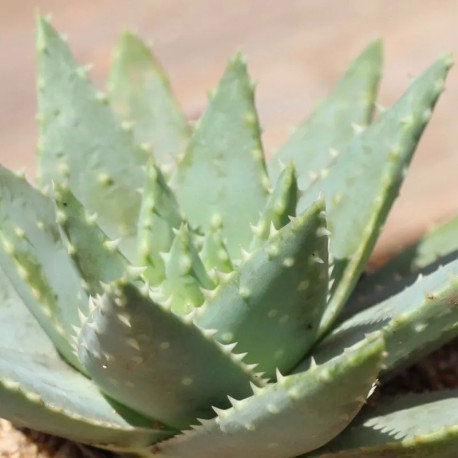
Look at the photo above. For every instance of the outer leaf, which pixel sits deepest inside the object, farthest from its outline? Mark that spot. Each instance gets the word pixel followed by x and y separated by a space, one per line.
pixel 34 258
pixel 412 426
pixel 272 305
pixel 80 136
pixel 414 323
pixel 255 427
pixel 95 256
pixel 331 126
pixel 436 248
pixel 141 94
pixel 438 245
pixel 38 390
pixel 222 178
pixel 156 362
pixel 359 192
pixel 19 329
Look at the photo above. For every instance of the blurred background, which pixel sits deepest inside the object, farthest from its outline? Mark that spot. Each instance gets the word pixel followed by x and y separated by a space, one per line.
pixel 297 50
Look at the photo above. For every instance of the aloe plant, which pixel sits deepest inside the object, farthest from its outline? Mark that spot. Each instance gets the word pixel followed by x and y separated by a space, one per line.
pixel 166 293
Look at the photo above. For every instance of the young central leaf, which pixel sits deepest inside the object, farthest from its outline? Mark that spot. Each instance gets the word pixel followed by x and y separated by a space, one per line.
pixel 272 305
pixel 280 206
pixel 222 178
pixel 159 215
pixel 185 274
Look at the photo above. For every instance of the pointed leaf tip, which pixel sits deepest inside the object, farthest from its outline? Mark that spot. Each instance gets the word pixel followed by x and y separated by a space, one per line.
pixel 140 92
pixel 236 180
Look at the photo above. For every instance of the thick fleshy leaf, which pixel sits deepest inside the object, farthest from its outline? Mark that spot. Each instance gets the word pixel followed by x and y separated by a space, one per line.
pixel 80 138
pixel 140 94
pixel 222 177
pixel 96 257
pixel 214 253
pixel 410 426
pixel 331 127
pixel 295 415
pixel 364 180
pixel 36 261
pixel 272 304
pixel 437 247
pixel 159 216
pixel 19 329
pixel 280 207
pixel 156 362
pixel 42 393
pixel 414 323
pixel 39 391
pixel 185 275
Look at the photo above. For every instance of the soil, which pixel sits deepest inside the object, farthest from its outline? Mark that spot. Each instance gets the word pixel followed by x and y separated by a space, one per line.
pixel 438 371
pixel 25 443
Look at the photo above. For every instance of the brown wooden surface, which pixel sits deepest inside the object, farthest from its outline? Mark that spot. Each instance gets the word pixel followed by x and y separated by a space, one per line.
pixel 296 49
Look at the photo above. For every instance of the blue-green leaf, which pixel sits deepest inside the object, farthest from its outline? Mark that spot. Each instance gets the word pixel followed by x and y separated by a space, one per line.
pixel 222 179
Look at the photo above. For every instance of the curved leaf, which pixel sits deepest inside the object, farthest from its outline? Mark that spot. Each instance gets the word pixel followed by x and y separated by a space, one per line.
pixel 297 414
pixel 437 247
pixel 272 304
pixel 156 362
pixel 414 322
pixel 331 127
pixel 80 139
pixel 410 426
pixel 39 391
pixel 222 173
pixel 359 192
pixel 140 94
pixel 36 261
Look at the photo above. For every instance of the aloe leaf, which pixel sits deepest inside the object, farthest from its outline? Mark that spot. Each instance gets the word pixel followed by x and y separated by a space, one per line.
pixel 214 253
pixel 42 393
pixel 35 260
pixel 409 426
pixel 437 247
pixel 223 173
pixel 19 329
pixel 156 362
pixel 185 274
pixel 439 244
pixel 80 137
pixel 140 94
pixel 96 257
pixel 271 306
pixel 39 391
pixel 414 323
pixel 316 406
pixel 331 126
pixel 359 192
pixel 280 206
pixel 159 215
